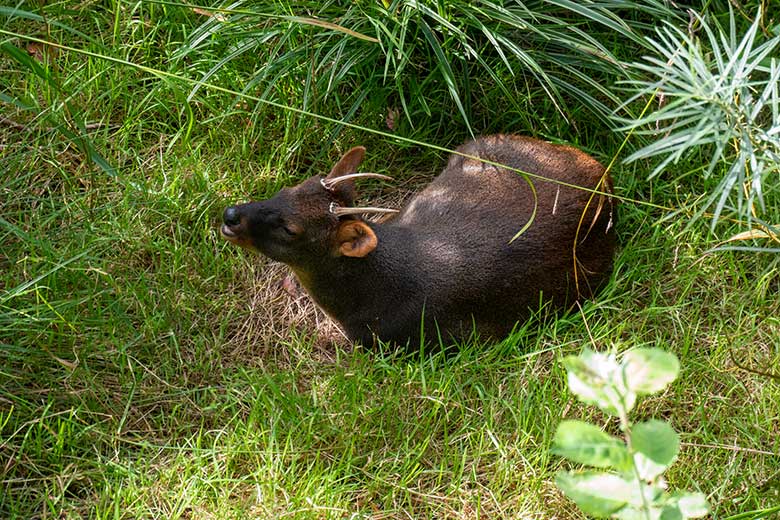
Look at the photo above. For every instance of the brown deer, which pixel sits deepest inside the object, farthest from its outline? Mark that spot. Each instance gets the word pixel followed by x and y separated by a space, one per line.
pixel 451 260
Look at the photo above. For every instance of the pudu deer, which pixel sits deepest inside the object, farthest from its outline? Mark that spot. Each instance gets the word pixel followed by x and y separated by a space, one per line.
pixel 451 260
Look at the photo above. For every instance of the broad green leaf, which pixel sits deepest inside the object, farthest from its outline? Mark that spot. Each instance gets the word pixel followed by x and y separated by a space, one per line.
pixel 597 494
pixel 656 445
pixel 647 468
pixel 693 505
pixel 671 513
pixel 644 494
pixel 638 513
pixel 597 379
pixel 649 370
pixel 586 444
pixel 584 381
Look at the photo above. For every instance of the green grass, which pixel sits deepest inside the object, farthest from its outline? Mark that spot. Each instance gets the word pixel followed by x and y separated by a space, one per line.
pixel 149 370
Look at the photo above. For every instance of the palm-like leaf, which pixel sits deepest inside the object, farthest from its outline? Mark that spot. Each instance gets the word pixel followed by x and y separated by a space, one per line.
pixel 721 91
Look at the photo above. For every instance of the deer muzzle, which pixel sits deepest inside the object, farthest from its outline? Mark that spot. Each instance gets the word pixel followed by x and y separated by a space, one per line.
pixel 231 227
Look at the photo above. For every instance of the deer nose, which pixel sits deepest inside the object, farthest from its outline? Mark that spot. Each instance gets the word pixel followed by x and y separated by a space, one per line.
pixel 231 216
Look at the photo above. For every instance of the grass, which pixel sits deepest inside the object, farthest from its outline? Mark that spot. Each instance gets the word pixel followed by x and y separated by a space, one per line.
pixel 148 370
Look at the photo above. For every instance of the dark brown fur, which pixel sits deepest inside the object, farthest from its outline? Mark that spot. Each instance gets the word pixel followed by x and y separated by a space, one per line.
pixel 448 256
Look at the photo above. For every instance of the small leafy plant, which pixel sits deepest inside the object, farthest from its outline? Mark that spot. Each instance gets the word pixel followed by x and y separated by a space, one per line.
pixel 630 484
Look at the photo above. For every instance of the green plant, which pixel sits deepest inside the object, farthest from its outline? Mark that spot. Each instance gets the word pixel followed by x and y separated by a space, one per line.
pixel 718 91
pixel 634 487
pixel 430 59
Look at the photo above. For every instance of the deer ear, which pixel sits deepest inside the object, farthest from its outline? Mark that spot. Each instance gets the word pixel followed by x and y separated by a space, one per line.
pixel 345 190
pixel 349 163
pixel 355 238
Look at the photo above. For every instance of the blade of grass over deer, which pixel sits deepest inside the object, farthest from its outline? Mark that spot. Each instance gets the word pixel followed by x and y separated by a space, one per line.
pixel 346 124
pixel 691 213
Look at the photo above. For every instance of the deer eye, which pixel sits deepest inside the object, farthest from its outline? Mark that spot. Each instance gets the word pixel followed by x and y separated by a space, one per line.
pixel 292 230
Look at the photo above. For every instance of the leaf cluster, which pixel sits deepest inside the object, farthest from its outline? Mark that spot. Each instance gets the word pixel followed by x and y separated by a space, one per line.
pixel 633 486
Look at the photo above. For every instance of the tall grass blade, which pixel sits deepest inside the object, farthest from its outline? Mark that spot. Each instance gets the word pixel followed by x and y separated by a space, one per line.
pixel 81 139
pixel 14 12
pixel 446 71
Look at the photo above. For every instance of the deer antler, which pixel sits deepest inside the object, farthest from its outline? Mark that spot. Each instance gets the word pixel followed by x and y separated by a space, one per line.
pixel 340 211
pixel 329 184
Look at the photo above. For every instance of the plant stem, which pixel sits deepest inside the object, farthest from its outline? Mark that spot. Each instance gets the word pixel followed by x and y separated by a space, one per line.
pixel 625 425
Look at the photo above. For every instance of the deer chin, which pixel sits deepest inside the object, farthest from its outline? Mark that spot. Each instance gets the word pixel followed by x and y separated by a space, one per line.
pixel 235 238
pixel 227 233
